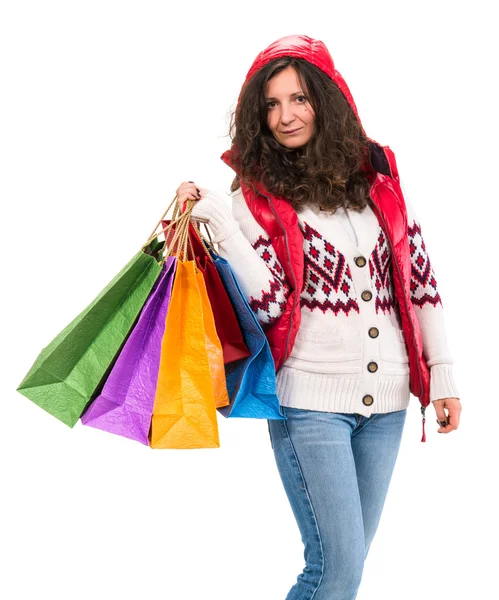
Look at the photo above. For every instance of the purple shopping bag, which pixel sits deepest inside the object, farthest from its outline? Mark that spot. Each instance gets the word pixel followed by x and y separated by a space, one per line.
pixel 126 402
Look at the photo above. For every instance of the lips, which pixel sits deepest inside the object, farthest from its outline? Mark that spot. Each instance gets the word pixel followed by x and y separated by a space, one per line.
pixel 292 130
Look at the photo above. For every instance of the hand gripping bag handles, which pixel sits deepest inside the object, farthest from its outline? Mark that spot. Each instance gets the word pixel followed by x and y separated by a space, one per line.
pixel 66 373
pixel 191 382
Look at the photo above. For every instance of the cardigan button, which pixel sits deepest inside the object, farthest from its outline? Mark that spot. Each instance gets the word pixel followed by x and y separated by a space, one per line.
pixel 360 261
pixel 372 367
pixel 366 295
pixel 368 400
pixel 373 332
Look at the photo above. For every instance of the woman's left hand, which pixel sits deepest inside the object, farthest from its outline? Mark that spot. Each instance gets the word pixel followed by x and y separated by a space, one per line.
pixel 453 406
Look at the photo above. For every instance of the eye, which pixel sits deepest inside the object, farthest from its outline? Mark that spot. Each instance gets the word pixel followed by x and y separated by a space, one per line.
pixel 269 103
pixel 303 99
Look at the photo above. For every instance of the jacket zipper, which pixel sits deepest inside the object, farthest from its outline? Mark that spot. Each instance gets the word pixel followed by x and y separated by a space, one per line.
pixel 291 269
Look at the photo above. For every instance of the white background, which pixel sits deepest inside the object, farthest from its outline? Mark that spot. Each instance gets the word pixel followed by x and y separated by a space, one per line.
pixel 105 108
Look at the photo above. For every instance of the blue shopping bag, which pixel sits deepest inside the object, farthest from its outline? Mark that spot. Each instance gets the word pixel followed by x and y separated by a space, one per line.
pixel 251 381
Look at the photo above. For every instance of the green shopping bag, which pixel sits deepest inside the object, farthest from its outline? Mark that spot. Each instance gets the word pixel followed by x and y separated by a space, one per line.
pixel 69 370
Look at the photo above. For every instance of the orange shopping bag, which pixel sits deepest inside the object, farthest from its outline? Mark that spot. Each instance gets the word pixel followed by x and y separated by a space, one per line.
pixel 191 379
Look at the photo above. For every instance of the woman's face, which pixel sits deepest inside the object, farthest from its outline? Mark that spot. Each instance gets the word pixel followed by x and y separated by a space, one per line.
pixel 290 116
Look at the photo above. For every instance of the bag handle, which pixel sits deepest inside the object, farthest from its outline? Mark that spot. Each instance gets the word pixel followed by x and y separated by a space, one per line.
pixel 203 239
pixel 181 236
pixel 181 224
pixel 156 233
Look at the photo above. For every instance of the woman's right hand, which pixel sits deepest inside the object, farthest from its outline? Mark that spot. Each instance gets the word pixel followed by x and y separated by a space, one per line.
pixel 212 210
pixel 187 190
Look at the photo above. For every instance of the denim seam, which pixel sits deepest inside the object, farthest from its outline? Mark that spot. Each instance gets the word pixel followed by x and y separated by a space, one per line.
pixel 311 508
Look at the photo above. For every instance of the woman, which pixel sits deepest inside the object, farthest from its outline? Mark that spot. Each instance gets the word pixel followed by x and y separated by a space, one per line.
pixel 333 263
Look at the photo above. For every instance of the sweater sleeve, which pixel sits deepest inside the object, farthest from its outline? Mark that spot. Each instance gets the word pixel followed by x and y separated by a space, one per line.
pixel 427 302
pixel 248 249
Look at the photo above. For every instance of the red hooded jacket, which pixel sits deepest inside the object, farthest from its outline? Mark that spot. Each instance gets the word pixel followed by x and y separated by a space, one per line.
pixel 280 221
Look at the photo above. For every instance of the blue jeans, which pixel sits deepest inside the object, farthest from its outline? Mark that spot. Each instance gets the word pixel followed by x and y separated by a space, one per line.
pixel 336 469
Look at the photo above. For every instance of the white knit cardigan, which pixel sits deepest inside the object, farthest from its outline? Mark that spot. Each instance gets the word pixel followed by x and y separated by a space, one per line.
pixel 350 344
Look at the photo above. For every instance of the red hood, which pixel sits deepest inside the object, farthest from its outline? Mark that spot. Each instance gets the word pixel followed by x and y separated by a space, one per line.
pixel 299 46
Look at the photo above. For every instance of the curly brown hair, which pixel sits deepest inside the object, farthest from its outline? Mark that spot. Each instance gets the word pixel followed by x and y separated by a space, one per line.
pixel 325 172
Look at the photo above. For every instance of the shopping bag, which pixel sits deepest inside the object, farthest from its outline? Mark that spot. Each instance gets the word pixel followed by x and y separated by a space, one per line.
pixel 67 371
pixel 184 412
pixel 125 405
pixel 227 326
pixel 213 346
pixel 251 381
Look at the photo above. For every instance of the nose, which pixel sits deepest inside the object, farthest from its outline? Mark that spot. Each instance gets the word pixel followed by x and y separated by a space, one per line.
pixel 287 116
